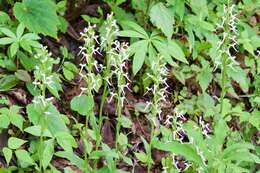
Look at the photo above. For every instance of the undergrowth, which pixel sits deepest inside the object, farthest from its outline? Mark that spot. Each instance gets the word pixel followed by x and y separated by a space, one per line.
pixel 129 86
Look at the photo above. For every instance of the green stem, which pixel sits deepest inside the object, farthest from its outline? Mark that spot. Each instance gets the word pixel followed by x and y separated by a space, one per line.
pixel 150 148
pixel 223 83
pixel 119 119
pixel 104 95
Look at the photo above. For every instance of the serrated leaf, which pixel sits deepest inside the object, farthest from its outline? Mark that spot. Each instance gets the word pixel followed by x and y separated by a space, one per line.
pixel 38 16
pixel 162 18
pixel 204 77
pixel 199 7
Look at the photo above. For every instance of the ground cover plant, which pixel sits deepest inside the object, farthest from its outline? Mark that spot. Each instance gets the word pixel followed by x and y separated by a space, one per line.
pixel 129 86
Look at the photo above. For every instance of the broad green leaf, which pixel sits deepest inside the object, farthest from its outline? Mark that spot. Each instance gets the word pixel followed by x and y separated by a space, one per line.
pixel 220 130
pixel 68 170
pixel 66 141
pixel 199 7
pixel 139 56
pixel 55 121
pixel 36 131
pixel 23 75
pixel 15 143
pixel 8 82
pixel 142 157
pixel 28 63
pixel 24 157
pixel 4 18
pixel 73 158
pixel 7 154
pixel 162 18
pixel 33 113
pixel 236 148
pixel 4 121
pixel 15 118
pixel 240 76
pixel 126 122
pixel 185 150
pixel 47 152
pixel 38 16
pixel 54 87
pixel 82 104
pixel 205 77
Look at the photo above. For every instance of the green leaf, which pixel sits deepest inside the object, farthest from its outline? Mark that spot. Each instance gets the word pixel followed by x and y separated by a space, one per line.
pixel 24 157
pixel 139 56
pixel 14 143
pixel 204 77
pixel 28 63
pixel 38 16
pixel 142 157
pixel 8 82
pixel 175 50
pixel 15 118
pixel 240 76
pixel 135 27
pixel 162 19
pixel 73 158
pixel 6 40
pixel 47 153
pixel 4 121
pixel 68 170
pixel 199 7
pixel 126 122
pixel 20 30
pixel 23 75
pixel 8 32
pixel 185 150
pixel 66 141
pixel 34 114
pixel 7 154
pixel 4 18
pixel 14 48
pixel 36 131
pixel 131 33
pixel 55 121
pixel 82 104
